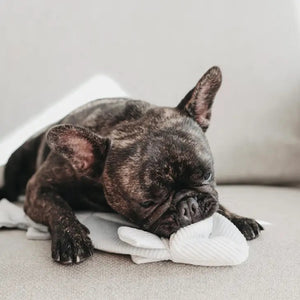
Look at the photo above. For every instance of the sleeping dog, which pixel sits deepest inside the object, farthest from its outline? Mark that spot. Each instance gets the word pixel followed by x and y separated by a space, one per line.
pixel 150 164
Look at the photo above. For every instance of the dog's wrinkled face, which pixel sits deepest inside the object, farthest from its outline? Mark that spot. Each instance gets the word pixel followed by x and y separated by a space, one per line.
pixel 157 171
pixel 160 176
pixel 163 179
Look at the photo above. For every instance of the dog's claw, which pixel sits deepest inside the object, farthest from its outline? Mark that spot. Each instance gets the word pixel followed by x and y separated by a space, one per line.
pixel 248 227
pixel 71 245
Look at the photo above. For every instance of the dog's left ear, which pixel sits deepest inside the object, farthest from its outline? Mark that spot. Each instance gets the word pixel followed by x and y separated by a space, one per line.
pixel 198 102
pixel 85 150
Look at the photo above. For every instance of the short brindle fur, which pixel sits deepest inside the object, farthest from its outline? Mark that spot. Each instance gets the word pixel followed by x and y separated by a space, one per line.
pixel 148 163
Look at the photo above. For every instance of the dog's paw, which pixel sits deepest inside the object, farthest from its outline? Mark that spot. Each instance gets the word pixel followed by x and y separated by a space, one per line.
pixel 70 243
pixel 248 227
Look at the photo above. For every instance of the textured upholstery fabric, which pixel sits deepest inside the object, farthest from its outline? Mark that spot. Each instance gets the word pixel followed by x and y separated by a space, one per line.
pixel 271 272
pixel 256 138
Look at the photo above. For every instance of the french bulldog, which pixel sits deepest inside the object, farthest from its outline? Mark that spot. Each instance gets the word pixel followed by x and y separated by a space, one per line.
pixel 150 164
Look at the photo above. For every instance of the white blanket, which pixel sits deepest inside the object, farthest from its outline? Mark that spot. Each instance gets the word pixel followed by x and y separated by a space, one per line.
pixel 212 242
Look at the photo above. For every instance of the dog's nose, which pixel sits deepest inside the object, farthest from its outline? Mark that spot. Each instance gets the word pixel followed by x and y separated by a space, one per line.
pixel 188 211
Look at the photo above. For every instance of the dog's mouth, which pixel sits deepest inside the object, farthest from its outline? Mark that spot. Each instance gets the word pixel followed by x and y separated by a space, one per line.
pixel 188 211
pixel 166 225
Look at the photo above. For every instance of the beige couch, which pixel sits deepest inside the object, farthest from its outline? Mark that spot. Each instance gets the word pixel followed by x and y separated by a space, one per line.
pixel 271 272
pixel 157 51
pixel 257 148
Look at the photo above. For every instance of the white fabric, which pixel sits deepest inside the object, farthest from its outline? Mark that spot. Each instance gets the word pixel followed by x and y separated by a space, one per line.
pixel 100 86
pixel 212 242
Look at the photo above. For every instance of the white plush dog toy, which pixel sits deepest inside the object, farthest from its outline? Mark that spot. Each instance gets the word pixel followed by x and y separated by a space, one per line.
pixel 211 242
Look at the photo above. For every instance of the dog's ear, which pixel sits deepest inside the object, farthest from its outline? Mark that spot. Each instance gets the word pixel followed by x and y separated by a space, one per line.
pixel 198 102
pixel 85 150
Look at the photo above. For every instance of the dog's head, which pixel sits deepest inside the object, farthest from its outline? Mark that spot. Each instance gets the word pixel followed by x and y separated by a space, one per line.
pixel 157 170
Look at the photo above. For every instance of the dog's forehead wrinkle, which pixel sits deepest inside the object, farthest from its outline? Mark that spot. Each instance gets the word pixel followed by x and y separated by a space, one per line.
pixel 177 145
pixel 159 122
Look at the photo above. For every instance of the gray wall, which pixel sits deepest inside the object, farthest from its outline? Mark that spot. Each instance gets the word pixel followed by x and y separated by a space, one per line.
pixel 156 50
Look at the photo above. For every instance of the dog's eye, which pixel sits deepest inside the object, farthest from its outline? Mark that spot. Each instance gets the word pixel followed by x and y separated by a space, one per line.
pixel 158 191
pixel 207 176
pixel 147 204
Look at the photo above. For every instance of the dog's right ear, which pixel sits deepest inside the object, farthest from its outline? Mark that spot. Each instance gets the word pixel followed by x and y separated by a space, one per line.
pixel 85 150
pixel 198 102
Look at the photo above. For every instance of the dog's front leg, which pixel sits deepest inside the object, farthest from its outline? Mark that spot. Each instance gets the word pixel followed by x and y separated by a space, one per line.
pixel 247 226
pixel 44 204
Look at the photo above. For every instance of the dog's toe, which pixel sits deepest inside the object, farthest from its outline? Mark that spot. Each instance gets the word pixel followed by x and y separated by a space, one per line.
pixel 248 227
pixel 71 245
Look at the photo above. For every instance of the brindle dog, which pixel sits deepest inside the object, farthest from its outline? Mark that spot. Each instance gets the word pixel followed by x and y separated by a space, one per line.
pixel 151 164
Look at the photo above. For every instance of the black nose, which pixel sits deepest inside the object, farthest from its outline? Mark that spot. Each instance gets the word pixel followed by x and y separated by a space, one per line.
pixel 188 211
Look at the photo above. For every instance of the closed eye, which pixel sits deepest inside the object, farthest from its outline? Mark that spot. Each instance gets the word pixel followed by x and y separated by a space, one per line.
pixel 207 176
pixel 201 178
pixel 159 192
pixel 147 204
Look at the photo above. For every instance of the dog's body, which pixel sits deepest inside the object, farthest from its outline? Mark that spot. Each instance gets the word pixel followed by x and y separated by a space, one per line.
pixel 151 164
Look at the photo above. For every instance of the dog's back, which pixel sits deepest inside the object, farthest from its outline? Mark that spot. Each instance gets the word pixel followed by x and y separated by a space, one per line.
pixel 101 116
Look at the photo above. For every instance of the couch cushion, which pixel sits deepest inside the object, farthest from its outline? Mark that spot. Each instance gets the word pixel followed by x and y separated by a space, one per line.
pixel 271 272
pixel 255 128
